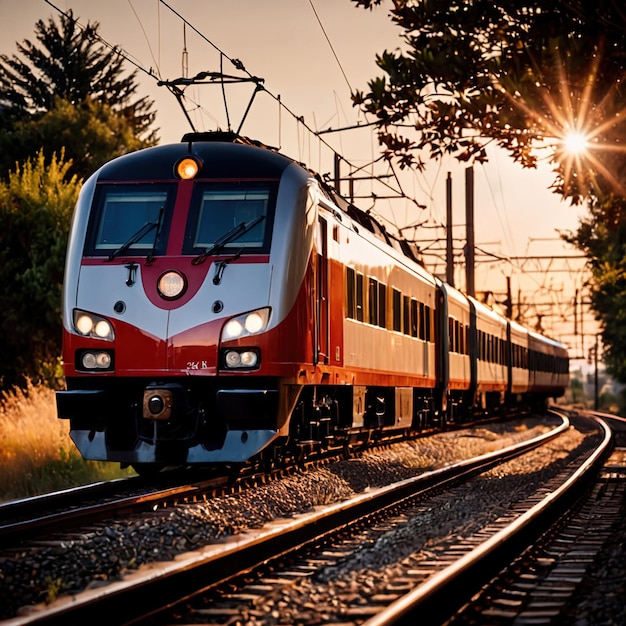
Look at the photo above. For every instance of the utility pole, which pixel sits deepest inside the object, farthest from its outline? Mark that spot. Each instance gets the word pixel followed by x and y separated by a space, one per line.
pixel 469 225
pixel 509 299
pixel 449 240
pixel 337 173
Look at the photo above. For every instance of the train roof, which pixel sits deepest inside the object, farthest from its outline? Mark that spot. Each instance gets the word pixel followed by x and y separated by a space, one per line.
pixel 220 158
pixel 539 338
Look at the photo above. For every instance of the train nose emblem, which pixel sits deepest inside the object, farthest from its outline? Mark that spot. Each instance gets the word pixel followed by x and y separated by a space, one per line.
pixel 157 404
pixel 171 285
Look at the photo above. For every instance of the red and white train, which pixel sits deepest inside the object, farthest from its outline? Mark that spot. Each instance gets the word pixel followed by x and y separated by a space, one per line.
pixel 220 300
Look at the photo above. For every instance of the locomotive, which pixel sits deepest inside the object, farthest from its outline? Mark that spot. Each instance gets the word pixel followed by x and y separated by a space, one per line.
pixel 222 302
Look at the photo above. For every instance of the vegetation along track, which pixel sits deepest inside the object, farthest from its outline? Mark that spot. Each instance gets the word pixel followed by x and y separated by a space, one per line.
pixel 333 572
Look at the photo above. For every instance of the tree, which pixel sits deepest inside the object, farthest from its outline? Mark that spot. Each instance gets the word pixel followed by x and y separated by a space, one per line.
pixel 67 96
pixel 69 78
pixel 521 73
pixel 90 131
pixel 36 205
pixel 602 237
pixel 527 75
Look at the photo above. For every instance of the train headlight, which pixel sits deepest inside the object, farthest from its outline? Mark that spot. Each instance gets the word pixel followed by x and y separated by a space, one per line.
pixel 91 325
pixel 233 328
pixel 84 324
pixel 89 360
pixel 254 323
pixel 241 359
pixel 247 324
pixel 232 358
pixel 102 329
pixel 94 360
pixel 171 285
pixel 249 358
pixel 103 360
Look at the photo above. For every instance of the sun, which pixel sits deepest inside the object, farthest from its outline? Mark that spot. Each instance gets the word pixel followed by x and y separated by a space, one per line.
pixel 581 122
pixel 575 143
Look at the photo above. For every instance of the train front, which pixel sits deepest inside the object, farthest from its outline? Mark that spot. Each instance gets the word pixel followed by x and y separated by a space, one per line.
pixel 181 286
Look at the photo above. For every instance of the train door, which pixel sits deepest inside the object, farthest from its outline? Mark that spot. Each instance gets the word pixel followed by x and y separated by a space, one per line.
pixel 321 294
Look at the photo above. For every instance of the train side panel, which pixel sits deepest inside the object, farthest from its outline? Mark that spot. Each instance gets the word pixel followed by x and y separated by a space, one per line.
pixel 490 345
pixel 517 359
pixel 548 366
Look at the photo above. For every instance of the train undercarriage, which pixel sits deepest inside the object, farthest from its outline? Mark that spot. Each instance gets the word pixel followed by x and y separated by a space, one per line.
pixel 196 423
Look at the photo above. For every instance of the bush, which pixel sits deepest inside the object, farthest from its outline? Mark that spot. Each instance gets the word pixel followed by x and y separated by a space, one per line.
pixel 37 455
pixel 35 212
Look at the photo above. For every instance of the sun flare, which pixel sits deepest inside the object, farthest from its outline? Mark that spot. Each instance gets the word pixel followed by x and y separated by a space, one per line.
pixel 575 142
pixel 582 123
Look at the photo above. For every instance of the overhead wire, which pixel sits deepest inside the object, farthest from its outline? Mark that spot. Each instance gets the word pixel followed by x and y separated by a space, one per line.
pixel 319 21
pixel 155 72
pixel 95 36
pixel 300 119
pixel 143 30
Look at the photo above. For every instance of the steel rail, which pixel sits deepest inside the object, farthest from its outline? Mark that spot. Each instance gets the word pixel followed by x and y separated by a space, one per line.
pixel 134 597
pixel 458 582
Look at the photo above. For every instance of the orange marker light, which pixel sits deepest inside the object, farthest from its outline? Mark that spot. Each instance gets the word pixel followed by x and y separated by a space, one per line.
pixel 187 168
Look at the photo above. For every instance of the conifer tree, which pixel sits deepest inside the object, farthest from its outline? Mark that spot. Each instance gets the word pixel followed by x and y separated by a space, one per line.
pixel 69 72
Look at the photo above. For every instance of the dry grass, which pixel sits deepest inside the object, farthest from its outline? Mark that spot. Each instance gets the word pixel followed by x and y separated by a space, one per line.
pixel 36 452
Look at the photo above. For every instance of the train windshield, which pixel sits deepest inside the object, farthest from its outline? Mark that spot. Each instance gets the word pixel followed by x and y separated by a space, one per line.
pixel 217 209
pixel 130 218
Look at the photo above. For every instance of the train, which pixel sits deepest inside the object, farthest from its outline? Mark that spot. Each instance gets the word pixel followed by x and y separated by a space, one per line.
pixel 223 303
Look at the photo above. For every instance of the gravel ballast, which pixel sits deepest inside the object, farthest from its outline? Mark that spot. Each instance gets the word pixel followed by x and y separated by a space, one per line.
pixel 103 553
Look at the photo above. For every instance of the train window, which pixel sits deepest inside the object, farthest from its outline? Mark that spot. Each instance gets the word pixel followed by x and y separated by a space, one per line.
pixel 422 324
pixel 373 301
pixel 382 305
pixel 396 310
pixel 359 297
pixel 236 216
pixel 350 293
pixel 130 218
pixel 406 314
pixel 414 318
pixel 451 335
pixel 427 323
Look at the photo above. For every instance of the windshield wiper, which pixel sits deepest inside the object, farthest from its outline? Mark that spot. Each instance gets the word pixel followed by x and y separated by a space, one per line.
pixel 159 223
pixel 221 266
pixel 142 232
pixel 232 235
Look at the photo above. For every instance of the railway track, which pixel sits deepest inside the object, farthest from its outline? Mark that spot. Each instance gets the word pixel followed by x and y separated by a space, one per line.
pixel 43 515
pixel 542 584
pixel 377 511
pixel 545 584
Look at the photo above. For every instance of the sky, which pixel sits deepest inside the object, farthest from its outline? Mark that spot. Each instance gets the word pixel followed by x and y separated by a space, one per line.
pixel 311 54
